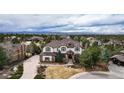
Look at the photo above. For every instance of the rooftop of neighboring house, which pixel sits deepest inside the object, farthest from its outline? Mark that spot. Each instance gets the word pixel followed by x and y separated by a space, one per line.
pixel 9 47
pixel 35 38
pixel 64 42
pixel 91 38
pixel 119 57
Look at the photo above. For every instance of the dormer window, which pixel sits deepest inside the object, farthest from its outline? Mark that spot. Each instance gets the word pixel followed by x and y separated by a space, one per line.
pixel 70 45
pixel 77 49
pixel 47 49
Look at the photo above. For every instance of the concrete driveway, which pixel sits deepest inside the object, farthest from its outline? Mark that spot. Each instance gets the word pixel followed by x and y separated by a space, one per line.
pixel 95 75
pixel 30 67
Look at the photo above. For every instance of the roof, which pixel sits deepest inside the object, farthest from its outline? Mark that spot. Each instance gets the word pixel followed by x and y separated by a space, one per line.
pixel 9 46
pixel 48 54
pixel 63 42
pixel 122 51
pixel 119 57
pixel 36 38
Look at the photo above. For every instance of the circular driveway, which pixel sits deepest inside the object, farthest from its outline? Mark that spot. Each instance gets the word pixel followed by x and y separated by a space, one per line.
pixel 95 75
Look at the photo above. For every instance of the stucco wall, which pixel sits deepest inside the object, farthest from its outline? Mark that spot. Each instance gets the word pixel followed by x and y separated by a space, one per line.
pixel 67 49
pixel 43 58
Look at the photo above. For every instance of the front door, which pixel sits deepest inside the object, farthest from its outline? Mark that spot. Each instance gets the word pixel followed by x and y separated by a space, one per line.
pixel 69 56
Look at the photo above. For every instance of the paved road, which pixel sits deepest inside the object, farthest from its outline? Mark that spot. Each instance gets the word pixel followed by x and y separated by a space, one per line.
pixel 95 75
pixel 30 67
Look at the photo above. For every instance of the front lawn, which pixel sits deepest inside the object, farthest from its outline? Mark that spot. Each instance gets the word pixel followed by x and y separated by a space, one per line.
pixel 61 72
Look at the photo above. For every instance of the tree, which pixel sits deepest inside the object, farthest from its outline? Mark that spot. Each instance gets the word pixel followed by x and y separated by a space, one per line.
pixel 76 38
pixel 105 54
pixel 3 58
pixel 35 49
pixel 15 41
pixel 59 57
pixel 85 42
pixel 95 44
pixel 90 57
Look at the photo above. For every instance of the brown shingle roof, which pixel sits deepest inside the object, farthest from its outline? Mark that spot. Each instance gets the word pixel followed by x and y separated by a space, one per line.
pixel 64 42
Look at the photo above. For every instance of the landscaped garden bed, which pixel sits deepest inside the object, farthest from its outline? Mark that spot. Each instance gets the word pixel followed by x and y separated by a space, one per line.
pixel 18 73
pixel 40 71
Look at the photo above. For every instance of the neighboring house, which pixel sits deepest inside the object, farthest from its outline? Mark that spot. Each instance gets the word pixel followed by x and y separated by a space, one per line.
pixel 116 64
pixel 113 42
pixel 93 40
pixel 118 59
pixel 15 52
pixel 68 47
pixel 35 38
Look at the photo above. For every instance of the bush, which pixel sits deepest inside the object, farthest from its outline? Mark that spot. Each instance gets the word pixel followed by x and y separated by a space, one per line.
pixel 40 72
pixel 39 76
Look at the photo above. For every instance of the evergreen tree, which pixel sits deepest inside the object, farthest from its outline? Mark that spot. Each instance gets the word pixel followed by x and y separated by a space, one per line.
pixel 59 57
pixel 3 57
pixel 90 57
pixel 105 54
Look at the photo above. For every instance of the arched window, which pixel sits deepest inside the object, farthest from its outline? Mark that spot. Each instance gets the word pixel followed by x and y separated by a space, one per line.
pixel 47 49
pixel 63 48
pixel 77 49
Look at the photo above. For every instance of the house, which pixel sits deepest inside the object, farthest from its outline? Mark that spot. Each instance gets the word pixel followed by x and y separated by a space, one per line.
pixel 118 59
pixel 35 38
pixel 93 40
pixel 15 52
pixel 68 47
pixel 116 65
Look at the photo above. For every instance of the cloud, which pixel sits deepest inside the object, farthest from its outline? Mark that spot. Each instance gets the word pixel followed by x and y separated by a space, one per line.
pixel 110 24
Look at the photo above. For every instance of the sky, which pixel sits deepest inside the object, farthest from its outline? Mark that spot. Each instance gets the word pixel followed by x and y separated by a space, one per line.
pixel 91 23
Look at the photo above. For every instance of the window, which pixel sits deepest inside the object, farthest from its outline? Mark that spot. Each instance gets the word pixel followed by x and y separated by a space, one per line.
pixel 77 49
pixel 63 49
pixel 47 49
pixel 47 59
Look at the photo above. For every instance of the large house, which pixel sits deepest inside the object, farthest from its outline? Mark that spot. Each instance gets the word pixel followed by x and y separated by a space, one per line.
pixel 68 47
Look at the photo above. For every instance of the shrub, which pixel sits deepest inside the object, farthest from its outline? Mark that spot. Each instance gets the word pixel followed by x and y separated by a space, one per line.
pixel 38 77
pixel 40 72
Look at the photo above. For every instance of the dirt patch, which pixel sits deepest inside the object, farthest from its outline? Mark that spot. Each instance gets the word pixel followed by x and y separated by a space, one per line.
pixel 61 72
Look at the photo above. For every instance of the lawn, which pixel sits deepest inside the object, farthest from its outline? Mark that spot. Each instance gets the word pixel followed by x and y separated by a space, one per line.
pixel 61 72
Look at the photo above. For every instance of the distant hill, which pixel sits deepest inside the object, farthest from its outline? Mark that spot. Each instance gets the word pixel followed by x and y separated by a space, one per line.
pixel 59 33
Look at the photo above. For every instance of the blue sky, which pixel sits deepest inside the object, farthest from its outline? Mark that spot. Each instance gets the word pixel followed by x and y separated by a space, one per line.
pixel 97 23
